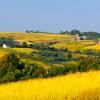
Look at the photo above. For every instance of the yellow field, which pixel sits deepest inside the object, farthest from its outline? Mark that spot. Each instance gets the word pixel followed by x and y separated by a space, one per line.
pixel 79 86
pixel 73 45
pixel 36 37
pixel 24 50
pixel 89 42
pixel 4 51
pixel 95 47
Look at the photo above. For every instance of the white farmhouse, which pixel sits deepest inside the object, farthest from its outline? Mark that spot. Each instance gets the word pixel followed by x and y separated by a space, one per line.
pixel 5 46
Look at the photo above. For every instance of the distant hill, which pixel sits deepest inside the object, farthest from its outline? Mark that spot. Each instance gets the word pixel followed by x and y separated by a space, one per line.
pixel 35 37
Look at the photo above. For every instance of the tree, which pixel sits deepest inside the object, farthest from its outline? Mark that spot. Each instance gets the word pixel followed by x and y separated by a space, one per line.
pixel 24 44
pixel 64 32
pixel 75 32
pixel 9 62
pixel 69 56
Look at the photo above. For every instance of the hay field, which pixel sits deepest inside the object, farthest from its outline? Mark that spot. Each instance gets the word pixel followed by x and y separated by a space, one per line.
pixel 24 50
pixel 36 37
pixel 4 51
pixel 94 47
pixel 79 86
pixel 73 45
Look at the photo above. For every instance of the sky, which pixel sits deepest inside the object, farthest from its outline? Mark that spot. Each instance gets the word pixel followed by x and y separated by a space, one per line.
pixel 49 15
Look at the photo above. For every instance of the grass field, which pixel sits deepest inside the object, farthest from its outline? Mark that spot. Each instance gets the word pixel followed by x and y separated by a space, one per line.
pixel 24 50
pixel 73 45
pixel 36 37
pixel 4 51
pixel 95 47
pixel 79 86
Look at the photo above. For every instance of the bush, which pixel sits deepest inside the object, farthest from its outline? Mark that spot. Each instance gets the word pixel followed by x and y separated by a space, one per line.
pixel 9 62
pixel 24 45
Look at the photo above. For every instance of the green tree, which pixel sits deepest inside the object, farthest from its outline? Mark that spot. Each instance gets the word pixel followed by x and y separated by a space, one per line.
pixel 9 62
pixel 69 56
pixel 75 32
pixel 24 44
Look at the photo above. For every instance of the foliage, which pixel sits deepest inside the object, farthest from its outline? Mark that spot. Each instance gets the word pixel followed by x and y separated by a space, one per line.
pixel 8 41
pixel 24 45
pixel 13 68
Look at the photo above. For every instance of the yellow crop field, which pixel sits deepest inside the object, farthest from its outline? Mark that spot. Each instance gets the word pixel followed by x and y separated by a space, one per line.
pixel 36 37
pixel 95 47
pixel 89 42
pixel 4 51
pixel 73 45
pixel 79 86
pixel 24 50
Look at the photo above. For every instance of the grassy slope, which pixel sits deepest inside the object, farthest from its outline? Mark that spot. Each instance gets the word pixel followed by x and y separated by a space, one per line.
pixel 36 37
pixel 73 45
pixel 95 47
pixel 39 63
pixel 24 50
pixel 79 86
pixel 4 51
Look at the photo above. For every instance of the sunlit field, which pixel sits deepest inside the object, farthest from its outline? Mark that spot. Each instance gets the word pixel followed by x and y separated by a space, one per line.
pixel 25 50
pixel 35 37
pixel 79 86
pixel 95 47
pixel 4 51
pixel 74 45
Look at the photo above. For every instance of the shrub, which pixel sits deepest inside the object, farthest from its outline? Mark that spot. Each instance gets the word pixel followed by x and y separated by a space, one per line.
pixel 9 62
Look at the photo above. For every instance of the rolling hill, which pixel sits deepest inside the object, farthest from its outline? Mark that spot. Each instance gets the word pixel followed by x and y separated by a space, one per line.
pixel 79 86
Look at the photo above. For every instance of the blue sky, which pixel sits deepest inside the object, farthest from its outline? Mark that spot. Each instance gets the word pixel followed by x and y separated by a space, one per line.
pixel 50 15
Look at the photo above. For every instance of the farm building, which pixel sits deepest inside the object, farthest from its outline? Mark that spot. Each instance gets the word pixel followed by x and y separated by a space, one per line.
pixel 5 46
pixel 76 38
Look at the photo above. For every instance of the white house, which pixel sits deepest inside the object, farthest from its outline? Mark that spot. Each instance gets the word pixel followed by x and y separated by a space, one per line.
pixel 5 46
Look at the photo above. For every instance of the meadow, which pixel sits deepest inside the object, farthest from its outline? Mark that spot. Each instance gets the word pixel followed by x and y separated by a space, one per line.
pixel 73 45
pixel 35 37
pixel 79 86
pixel 94 47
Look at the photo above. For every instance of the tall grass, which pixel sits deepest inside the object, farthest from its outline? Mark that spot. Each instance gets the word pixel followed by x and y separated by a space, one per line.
pixel 79 86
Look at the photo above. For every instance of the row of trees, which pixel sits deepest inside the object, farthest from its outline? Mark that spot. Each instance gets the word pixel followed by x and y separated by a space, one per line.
pixel 8 41
pixel 35 31
pixel 77 32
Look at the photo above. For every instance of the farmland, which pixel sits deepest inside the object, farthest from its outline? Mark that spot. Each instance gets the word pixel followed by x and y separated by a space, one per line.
pixel 43 66
pixel 36 37
pixel 49 50
pixel 4 51
pixel 76 45
pixel 79 86
pixel 94 47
